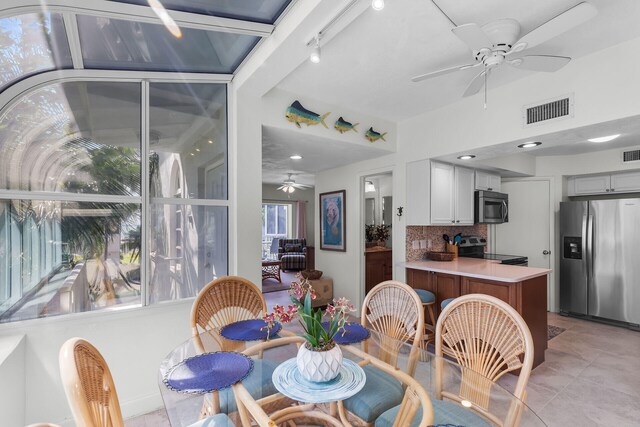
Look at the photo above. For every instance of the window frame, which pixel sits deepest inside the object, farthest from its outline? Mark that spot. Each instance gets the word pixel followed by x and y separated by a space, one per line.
pixel 15 93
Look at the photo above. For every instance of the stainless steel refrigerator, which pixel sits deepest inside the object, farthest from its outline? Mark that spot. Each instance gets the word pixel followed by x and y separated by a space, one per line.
pixel 600 259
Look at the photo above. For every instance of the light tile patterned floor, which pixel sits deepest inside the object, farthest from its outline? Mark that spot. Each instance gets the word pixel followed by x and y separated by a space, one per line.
pixel 591 376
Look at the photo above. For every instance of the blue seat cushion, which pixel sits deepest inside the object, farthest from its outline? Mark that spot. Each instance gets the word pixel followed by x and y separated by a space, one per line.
pixel 380 393
pixel 446 302
pixel 444 413
pixel 258 383
pixel 425 296
pixel 218 420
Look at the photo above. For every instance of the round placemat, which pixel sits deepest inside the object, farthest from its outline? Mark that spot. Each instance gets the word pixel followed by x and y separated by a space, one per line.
pixel 249 330
pixel 288 380
pixel 207 372
pixel 352 333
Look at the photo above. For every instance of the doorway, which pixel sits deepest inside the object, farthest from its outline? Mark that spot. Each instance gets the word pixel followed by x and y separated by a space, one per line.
pixel 377 202
pixel 529 230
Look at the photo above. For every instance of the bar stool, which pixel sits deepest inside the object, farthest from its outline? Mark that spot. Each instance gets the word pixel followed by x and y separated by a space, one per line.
pixel 428 299
pixel 445 302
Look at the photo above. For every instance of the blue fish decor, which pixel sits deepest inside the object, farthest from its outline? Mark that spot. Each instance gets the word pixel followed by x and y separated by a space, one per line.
pixel 343 126
pixel 373 136
pixel 297 114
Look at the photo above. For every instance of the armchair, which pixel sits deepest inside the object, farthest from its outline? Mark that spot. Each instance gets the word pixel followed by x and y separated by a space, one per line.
pixel 292 254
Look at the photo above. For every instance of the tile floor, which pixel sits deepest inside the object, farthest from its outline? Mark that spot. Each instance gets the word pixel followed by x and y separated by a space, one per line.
pixel 591 376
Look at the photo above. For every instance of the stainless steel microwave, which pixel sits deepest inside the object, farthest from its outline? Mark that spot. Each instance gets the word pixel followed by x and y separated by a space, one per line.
pixel 491 207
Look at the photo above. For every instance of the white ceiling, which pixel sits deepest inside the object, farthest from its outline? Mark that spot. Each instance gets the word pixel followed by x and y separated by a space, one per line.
pixel 319 154
pixel 368 66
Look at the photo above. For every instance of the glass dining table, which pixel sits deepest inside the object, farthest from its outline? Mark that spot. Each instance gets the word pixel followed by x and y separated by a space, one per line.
pixel 437 379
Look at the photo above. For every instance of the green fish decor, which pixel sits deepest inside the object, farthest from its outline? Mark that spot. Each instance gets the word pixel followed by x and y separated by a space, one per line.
pixel 297 114
pixel 343 126
pixel 373 136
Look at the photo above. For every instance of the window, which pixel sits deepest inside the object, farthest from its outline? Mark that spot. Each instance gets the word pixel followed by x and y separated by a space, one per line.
pixel 276 224
pixel 75 227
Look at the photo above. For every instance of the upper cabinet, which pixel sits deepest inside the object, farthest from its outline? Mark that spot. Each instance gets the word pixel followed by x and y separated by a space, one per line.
pixel 439 194
pixel 623 182
pixel 487 181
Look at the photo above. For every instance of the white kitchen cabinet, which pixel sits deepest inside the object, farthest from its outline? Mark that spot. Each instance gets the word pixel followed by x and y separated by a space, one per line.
pixel 463 195
pixel 418 211
pixel 625 182
pixel 487 181
pixel 621 182
pixel 442 194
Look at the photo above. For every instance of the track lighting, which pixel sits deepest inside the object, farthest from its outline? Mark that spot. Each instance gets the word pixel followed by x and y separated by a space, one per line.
pixel 377 4
pixel 315 53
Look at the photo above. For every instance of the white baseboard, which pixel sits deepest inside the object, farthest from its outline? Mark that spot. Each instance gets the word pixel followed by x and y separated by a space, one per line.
pixel 132 408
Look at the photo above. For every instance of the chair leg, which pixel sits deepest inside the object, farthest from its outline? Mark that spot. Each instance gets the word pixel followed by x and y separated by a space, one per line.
pixel 429 329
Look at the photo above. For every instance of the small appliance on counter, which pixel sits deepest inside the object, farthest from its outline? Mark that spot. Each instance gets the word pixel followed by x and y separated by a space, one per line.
pixel 491 207
pixel 473 247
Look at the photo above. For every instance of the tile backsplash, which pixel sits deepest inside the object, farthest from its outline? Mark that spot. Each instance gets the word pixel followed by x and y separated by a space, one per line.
pixel 434 234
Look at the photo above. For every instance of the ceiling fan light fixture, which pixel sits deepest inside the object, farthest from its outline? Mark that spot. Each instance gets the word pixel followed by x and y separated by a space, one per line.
pixel 291 189
pixel 377 4
pixel 466 157
pixel 530 144
pixel 604 138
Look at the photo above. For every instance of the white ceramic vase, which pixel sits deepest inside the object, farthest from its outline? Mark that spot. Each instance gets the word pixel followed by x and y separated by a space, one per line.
pixel 319 366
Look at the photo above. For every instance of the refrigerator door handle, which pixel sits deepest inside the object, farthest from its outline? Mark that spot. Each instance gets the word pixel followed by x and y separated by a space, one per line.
pixel 585 247
pixel 590 246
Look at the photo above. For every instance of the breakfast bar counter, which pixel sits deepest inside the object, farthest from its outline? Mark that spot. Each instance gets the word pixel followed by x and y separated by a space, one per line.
pixel 524 288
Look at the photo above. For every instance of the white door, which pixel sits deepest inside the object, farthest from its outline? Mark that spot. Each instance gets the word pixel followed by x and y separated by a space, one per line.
pixel 442 192
pixel 528 231
pixel 464 189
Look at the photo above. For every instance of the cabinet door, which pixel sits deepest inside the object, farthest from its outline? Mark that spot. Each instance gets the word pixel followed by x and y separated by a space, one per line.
pixel 442 194
pixel 599 184
pixel 417 212
pixel 464 189
pixel 447 286
pixel 495 182
pixel 626 182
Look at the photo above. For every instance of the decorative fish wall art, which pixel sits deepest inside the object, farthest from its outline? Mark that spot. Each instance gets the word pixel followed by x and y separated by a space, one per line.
pixel 297 114
pixel 373 136
pixel 343 126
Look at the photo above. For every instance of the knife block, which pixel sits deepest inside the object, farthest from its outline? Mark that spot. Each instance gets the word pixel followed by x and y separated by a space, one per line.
pixel 453 249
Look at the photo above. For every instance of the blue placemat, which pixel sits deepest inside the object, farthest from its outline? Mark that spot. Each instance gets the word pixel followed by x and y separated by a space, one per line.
pixel 249 330
pixel 208 372
pixel 288 380
pixel 353 332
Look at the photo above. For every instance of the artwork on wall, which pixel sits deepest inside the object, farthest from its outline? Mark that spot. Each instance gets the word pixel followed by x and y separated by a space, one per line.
pixel 297 114
pixel 342 126
pixel 333 234
pixel 373 135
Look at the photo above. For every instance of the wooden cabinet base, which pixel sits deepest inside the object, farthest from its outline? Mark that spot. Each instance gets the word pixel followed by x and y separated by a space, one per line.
pixel 528 297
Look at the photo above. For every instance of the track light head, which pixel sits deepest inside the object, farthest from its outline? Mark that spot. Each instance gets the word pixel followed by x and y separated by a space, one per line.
pixel 315 53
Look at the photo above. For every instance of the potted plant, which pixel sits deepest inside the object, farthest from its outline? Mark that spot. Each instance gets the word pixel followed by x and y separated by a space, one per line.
pixel 382 234
pixel 320 358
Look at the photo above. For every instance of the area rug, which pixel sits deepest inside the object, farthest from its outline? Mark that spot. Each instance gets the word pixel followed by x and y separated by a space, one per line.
pixel 554 331
pixel 272 285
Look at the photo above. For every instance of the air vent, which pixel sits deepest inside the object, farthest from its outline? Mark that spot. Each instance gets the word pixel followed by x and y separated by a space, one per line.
pixel 631 156
pixel 554 109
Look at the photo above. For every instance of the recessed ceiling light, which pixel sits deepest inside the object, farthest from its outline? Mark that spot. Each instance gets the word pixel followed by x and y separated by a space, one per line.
pixel 604 138
pixel 296 157
pixel 466 157
pixel 210 142
pixel 530 144
pixel 377 4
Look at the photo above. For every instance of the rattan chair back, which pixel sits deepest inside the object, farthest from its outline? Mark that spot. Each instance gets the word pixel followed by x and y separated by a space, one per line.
pixel 394 310
pixel 89 386
pixel 488 338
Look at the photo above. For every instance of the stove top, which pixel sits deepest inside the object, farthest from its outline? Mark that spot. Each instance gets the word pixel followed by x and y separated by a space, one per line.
pixel 504 259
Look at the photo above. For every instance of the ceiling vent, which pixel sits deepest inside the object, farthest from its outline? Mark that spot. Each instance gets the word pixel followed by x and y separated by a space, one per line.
pixel 631 156
pixel 550 110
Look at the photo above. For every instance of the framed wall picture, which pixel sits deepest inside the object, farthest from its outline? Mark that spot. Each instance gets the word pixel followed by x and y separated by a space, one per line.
pixel 333 226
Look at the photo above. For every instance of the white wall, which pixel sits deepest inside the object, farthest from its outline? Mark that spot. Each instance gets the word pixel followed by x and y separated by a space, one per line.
pixel 271 193
pixel 12 386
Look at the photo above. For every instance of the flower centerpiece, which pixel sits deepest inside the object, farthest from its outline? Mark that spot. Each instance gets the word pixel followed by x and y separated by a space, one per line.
pixel 320 358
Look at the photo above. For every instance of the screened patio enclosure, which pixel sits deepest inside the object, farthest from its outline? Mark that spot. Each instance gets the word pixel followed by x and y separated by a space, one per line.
pixel 114 149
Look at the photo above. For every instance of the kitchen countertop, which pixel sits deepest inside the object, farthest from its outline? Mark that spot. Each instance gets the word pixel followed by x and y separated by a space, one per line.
pixel 479 269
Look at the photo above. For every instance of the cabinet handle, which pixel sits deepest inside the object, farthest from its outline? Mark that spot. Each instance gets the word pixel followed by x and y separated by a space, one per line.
pixel 453 222
pixel 607 190
pixel 613 189
pixel 490 189
pixel 458 221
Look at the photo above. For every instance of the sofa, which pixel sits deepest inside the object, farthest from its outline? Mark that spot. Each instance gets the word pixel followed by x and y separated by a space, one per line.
pixel 292 254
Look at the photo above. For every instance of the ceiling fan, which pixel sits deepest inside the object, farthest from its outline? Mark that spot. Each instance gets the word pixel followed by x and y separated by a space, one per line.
pixel 289 185
pixel 493 44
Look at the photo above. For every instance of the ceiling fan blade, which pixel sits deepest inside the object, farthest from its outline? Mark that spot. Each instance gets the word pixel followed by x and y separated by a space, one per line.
pixel 477 83
pixel 281 187
pixel 302 186
pixel 473 36
pixel 573 17
pixel 546 63
pixel 443 72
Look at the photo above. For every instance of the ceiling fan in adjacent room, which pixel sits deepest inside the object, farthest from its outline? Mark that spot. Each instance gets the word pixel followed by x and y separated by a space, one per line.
pixel 497 42
pixel 289 185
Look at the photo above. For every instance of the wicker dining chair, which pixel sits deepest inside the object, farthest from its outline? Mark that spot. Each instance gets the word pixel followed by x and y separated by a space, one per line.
pixel 488 338
pixel 395 310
